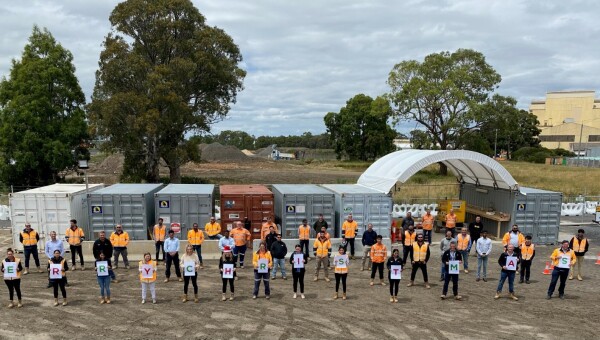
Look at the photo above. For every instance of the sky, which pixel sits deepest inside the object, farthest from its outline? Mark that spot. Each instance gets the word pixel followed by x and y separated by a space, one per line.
pixel 307 58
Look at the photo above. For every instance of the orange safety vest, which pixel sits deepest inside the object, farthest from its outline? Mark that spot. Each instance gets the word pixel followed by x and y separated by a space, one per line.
pixel 427 222
pixel 527 251
pixel 579 247
pixel 266 255
pixel 409 238
pixel 450 221
pixel 159 233
pixel 303 232
pixel 419 253
pixel 74 236
pixel 195 238
pixel 349 229
pixel 322 247
pixel 148 280
pixel 29 238
pixel 119 240
pixel 240 236
pixel 463 241
pixel 378 253
pixel 212 229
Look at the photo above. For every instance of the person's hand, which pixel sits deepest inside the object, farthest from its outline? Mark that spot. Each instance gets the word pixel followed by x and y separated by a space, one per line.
pixel 222 270
pixel 503 267
pixel 447 262
pixel 413 262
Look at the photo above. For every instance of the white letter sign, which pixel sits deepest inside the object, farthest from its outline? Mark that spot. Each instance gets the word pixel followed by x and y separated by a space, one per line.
pixel 189 268
pixel 395 272
pixel 263 266
pixel 298 261
pixel 227 271
pixel 511 263
pixel 453 267
pixel 55 271
pixel 102 268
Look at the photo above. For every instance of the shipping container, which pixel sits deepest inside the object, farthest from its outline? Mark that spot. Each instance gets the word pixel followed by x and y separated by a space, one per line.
pixel 240 201
pixel 49 208
pixel 535 211
pixel 184 204
pixel 295 202
pixel 131 205
pixel 366 206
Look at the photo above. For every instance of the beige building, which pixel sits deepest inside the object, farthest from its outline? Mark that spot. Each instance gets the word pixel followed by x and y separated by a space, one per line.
pixel 568 119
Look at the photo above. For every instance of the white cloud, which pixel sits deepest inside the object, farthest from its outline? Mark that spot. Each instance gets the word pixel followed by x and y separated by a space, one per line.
pixel 307 58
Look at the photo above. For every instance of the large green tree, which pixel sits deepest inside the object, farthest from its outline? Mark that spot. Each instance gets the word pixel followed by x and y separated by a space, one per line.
pixel 163 73
pixel 42 122
pixel 442 93
pixel 360 130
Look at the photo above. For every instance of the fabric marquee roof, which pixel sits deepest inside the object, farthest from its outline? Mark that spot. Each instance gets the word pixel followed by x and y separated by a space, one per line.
pixel 467 166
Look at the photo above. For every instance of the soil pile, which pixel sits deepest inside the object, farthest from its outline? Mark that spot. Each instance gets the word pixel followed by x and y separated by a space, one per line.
pixel 112 164
pixel 264 152
pixel 217 152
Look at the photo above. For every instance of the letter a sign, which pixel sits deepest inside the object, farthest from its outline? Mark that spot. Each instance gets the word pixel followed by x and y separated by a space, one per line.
pixel 511 263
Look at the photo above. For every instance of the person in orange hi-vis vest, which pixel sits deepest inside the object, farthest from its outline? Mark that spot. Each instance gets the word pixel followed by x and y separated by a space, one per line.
pixel 580 246
pixel 427 221
pixel 341 264
pixel 213 229
pixel 349 230
pixel 419 256
pixel 378 256
pixel 30 238
pixel 463 245
pixel 158 235
pixel 410 237
pixel 264 229
pixel 120 239
pixel 304 237
pixel 395 232
pixel 514 237
pixel 451 222
pixel 240 237
pixel 563 259
pixel 195 237
pixel 74 236
pixel 527 255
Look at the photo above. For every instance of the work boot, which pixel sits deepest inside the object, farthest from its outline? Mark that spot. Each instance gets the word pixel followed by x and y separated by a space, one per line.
pixel 65 302
pixel 579 278
pixel 316 278
pixel 343 296
pixel 19 304
pixel 231 297
pixel 335 296
pixel 55 302
pixel 40 270
pixel 184 298
pixel 466 271
pixel 82 268
pixel 395 299
pixel 362 269
pixel 295 295
pixel 561 296
pixel 410 284
pixel 223 298
pixel 427 285
pixel 571 277
pixel 180 279
pixel 382 282
pixel 10 304
pixel 443 297
pixel 327 279
pixel 108 300
pixel 514 297
pixel 521 281
pixel 196 298
pixel 497 296
pixel 457 297
pixel 26 271
pixel 166 280
pixel 127 267
pixel 102 300
pixel 371 283
pixel 391 299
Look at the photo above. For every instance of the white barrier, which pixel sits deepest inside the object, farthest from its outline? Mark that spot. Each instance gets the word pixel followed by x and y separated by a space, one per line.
pixel 590 207
pixel 572 209
pixel 399 210
pixel 416 210
pixel 4 213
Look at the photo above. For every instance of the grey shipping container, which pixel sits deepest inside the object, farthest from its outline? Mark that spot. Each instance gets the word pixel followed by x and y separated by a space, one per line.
pixel 185 204
pixel 295 202
pixel 535 211
pixel 366 206
pixel 131 205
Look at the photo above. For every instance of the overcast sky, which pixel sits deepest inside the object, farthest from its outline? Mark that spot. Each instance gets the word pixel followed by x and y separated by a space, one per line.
pixel 307 58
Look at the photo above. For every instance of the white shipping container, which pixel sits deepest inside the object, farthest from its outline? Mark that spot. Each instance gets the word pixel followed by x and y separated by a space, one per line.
pixel 49 208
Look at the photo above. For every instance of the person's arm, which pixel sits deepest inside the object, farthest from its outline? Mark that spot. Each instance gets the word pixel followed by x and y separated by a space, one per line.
pixel 459 256
pixel 532 255
pixel 328 248
pixel 469 245
pixel 66 265
pixel 126 239
pixel 270 257
pixel 177 246
pixel 47 250
pixel 344 230
pixel 502 260
pixel 573 258
pixel 255 260
pixel 315 248
pixel 427 255
pixel 81 234
pixel 587 245
pixel 37 236
pixel 20 267
pixel 411 253
pixel 21 237
pixel 442 244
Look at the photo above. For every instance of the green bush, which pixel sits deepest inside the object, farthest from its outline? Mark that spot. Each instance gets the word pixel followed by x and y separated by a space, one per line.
pixel 539 154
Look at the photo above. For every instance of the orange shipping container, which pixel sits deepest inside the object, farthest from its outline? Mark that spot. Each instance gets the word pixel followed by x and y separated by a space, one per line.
pixel 239 201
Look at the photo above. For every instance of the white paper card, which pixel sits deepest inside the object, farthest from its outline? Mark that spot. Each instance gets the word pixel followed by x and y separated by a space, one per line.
pixel 147 271
pixel 340 261
pixel 263 266
pixel 395 272
pixel 298 261
pixel 189 268
pixel 453 267
pixel 102 268
pixel 10 270
pixel 511 263
pixel 55 271
pixel 227 271
pixel 564 262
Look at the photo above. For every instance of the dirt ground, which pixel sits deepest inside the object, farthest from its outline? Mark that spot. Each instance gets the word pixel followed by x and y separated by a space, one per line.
pixel 367 313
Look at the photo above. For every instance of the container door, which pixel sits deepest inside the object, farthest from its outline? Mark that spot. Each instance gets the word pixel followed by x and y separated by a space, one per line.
pixel 548 218
pixel 357 206
pixel 24 208
pixel 56 217
pixel 379 214
pixel 233 208
pixel 323 204
pixel 103 211
pixel 131 212
pixel 526 216
pixel 197 209
pixel 296 208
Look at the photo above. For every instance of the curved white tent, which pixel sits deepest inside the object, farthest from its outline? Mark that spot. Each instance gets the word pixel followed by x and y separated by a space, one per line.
pixel 467 166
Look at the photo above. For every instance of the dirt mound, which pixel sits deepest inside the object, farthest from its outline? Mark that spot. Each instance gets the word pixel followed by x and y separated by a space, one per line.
pixel 264 152
pixel 112 164
pixel 217 152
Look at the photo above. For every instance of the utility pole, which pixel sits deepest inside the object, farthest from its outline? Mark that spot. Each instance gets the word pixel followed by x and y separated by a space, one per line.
pixel 495 143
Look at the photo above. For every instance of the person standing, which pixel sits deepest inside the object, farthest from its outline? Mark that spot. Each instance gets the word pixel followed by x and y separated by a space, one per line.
pixel 320 223
pixel 394 260
pixel 51 246
pixel 12 280
pixel 103 280
pixel 508 271
pixel 445 245
pixel 409 239
pixel 158 235
pixel 322 252
pixel 241 237
pixel 378 255
pixel 324 232
pixel 419 256
pixel 188 257
pixel 427 225
pixel 74 236
pixel 341 264
pixel 369 238
pixel 59 282
pixel 227 258
pixel 195 237
pixel 271 237
pixel 304 236
pixel 298 269
pixel 395 232
pixel 527 255
pixel 475 229
pixel 451 222
pixel 580 246
pixel 262 254
pixel 407 221
pixel 172 249
pixel 463 245
pixel 120 240
pixel 30 238
pixel 266 228
pixel 563 259
pixel 147 269
pixel 349 230
pixel 484 249
pixel 278 252
pixel 451 254
pixel 103 245
pixel 226 241
pixel 514 237
pixel 213 229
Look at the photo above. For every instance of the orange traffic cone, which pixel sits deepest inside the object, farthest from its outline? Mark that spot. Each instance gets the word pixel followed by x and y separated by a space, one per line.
pixel 547 269
pixel 598 259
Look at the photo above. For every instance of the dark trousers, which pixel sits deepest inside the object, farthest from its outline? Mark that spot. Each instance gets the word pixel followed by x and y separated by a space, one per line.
pixel 405 253
pixel 31 250
pixel 351 243
pixel 225 281
pixel 415 267
pixel 160 245
pixel 447 278
pixel 76 250
pixel 427 236
pixel 241 251
pixel 56 283
pixel 198 250
pixel 394 285
pixel 377 267
pixel 261 277
pixel 474 242
pixel 338 278
pixel 186 283
pixel 557 273
pixel 298 277
pixel 173 260
pixel 13 286
pixel 304 247
pixel 525 269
